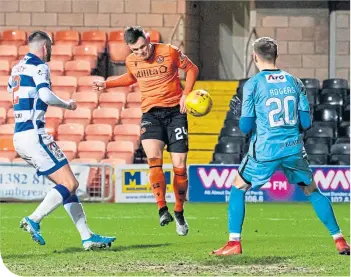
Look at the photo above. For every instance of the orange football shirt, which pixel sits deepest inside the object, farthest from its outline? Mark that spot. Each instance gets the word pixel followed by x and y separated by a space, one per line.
pixel 158 76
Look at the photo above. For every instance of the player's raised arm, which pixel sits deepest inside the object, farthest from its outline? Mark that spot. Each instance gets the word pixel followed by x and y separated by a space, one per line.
pixel 126 79
pixel 41 78
pixel 248 115
pixel 303 107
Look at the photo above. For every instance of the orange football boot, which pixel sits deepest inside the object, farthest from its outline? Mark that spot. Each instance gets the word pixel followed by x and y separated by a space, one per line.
pixel 342 246
pixel 231 248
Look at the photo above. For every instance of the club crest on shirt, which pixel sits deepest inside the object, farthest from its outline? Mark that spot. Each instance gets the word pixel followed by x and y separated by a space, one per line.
pixel 160 59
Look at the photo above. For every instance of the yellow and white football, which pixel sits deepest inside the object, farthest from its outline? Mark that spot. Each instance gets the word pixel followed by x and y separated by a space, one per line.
pixel 198 103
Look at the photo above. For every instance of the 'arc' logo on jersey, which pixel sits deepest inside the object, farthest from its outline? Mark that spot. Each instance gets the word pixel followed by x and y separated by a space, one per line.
pixel 275 78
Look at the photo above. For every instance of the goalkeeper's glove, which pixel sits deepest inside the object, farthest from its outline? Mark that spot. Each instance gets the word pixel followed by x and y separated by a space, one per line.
pixel 235 106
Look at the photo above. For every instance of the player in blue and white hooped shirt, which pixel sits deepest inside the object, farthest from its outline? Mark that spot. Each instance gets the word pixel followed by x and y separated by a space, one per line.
pixel 31 88
pixel 275 109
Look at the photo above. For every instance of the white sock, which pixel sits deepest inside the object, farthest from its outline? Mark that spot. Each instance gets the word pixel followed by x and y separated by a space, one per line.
pixel 76 212
pixel 52 200
pixel 234 236
pixel 337 236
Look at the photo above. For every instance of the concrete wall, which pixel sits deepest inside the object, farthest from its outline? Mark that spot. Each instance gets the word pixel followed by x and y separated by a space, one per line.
pixel 343 44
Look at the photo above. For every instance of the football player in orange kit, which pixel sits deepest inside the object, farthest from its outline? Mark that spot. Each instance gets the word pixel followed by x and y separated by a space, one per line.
pixel 164 121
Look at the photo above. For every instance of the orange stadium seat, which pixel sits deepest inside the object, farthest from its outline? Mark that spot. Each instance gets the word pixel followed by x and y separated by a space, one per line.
pixel 51 130
pixel 134 100
pixel 4 80
pixel 57 68
pixel 154 35
pixel 127 132
pixel 4 67
pixel 117 35
pixel 112 100
pixel 7 149
pixel 131 116
pixel 121 150
pixel 71 132
pixel 10 116
pixel 96 38
pixel 86 99
pixel 77 68
pixel 124 90
pixel 98 132
pixel 85 82
pixel 86 53
pixel 69 148
pixel 68 37
pixel 92 149
pixel 5 99
pixel 8 53
pixel 118 51
pixel 54 116
pixel 82 161
pixel 19 161
pixel 113 161
pixel 61 53
pixel 22 51
pixel 13 37
pixel 2 116
pixel 5 160
pixel 106 116
pixel 64 83
pixel 63 94
pixel 79 116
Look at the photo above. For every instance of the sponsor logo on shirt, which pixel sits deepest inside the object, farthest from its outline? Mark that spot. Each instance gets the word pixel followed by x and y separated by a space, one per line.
pixel 275 78
pixel 150 72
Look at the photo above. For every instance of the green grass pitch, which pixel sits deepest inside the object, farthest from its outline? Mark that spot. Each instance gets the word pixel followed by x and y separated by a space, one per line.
pixel 278 239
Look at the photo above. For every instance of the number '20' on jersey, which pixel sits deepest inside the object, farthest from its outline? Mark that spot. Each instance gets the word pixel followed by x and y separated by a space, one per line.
pixel 273 98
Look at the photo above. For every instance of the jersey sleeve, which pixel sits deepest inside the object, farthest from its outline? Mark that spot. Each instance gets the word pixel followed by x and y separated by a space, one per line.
pixel 9 85
pixel 180 59
pixel 41 76
pixel 248 106
pixel 303 100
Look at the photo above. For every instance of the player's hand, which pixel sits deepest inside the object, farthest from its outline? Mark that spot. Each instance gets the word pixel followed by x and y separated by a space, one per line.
pixel 72 105
pixel 99 85
pixel 235 106
pixel 182 104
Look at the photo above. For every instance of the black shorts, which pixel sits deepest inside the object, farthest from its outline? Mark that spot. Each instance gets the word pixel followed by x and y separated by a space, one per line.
pixel 167 125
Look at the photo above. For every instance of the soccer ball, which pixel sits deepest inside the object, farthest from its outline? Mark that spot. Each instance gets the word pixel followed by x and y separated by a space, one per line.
pixel 198 102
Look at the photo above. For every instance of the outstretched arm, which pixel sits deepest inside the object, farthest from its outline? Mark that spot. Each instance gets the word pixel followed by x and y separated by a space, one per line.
pixel 248 115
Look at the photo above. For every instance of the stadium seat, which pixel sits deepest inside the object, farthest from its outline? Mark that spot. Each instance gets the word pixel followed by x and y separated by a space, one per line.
pixel 69 148
pixel 222 158
pixel 87 53
pixel 311 83
pixel 67 37
pixel 317 159
pixel 134 100
pixel 86 99
pixel 331 98
pixel 8 53
pixel 131 116
pixel 10 116
pixel 77 68
pixel 18 161
pixel 114 161
pixel 63 94
pixel 117 35
pixel 98 132
pixel 2 116
pixel 154 35
pixel 115 100
pixel 3 84
pixel 64 83
pixel 320 149
pixel 128 132
pixel 346 113
pixel 84 161
pixel 325 134
pixel 7 130
pixel 85 82
pixel 96 38
pixel 106 116
pixel 62 53
pixel 4 68
pixel 121 150
pixel 5 99
pixel 312 96
pixel 54 116
pixel 236 140
pixel 327 114
pixel 7 149
pixel 335 83
pixel 118 51
pixel 92 149
pixel 342 148
pixel 70 132
pixel 344 129
pixel 340 154
pixel 13 63
pixel 51 130
pixel 231 123
pixel 232 131
pixel 5 160
pixel 13 37
pixel 342 140
pixel 229 147
pixel 22 51
pixel 340 159
pixel 57 68
pixel 79 116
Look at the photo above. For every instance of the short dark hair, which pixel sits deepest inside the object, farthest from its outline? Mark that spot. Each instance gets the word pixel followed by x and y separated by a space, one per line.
pixel 39 35
pixel 132 34
pixel 266 48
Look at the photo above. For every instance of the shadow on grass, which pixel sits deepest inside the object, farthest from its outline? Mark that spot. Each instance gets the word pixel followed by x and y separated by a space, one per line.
pixel 247 260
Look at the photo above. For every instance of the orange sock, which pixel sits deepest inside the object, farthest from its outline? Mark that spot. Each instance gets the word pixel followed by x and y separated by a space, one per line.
pixel 180 187
pixel 157 181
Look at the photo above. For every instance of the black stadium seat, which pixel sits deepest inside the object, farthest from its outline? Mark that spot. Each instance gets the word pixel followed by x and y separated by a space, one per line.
pixel 232 131
pixel 335 83
pixel 237 140
pixel 346 113
pixel 328 114
pixel 340 148
pixel 341 91
pixel 229 147
pixel 340 154
pixel 221 158
pixel 311 83
pixel 340 159
pixel 344 129
pixel 319 140
pixel 318 159
pixel 231 123
pixel 317 153
pixel 342 140
pixel 331 98
pixel 230 115
pixel 321 132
